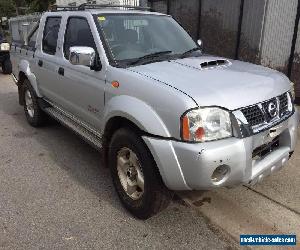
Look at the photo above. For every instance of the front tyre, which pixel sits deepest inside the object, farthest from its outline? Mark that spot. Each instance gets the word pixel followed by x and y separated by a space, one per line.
pixel 34 114
pixel 135 175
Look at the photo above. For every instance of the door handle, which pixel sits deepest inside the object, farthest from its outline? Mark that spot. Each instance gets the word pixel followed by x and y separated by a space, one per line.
pixel 40 63
pixel 61 71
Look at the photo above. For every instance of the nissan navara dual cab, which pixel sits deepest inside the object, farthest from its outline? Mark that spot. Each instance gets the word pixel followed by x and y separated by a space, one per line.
pixel 166 116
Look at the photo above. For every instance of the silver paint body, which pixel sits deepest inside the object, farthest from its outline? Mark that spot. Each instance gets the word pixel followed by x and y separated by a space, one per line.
pixel 154 97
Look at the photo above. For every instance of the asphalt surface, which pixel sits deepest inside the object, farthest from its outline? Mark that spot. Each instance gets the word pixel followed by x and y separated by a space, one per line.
pixel 54 194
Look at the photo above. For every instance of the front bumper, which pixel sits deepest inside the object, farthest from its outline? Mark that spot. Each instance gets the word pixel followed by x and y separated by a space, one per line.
pixel 188 166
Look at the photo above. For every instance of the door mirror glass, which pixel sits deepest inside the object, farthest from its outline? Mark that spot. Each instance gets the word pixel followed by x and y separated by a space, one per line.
pixel 82 56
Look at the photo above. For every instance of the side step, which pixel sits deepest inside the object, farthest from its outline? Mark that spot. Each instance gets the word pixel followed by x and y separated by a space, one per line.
pixel 86 134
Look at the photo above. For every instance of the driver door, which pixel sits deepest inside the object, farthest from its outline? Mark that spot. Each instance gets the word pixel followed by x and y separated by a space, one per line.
pixel 82 89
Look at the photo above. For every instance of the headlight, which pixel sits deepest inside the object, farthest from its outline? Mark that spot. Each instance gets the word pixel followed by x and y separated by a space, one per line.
pixel 206 124
pixel 4 47
pixel 293 90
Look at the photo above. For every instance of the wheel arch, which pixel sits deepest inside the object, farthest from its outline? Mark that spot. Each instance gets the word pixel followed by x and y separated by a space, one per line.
pixel 119 122
pixel 129 112
pixel 26 73
pixel 21 79
pixel 137 112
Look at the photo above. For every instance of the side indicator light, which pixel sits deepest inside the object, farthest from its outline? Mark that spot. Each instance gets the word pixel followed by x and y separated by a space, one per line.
pixel 115 84
pixel 185 128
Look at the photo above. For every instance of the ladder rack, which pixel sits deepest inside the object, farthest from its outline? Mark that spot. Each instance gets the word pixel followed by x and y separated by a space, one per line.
pixel 86 6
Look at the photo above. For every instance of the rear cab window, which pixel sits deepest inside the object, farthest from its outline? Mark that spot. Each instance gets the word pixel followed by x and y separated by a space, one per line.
pixel 32 39
pixel 50 36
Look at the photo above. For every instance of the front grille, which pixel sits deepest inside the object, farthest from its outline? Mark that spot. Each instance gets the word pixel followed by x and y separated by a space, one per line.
pixel 253 115
pixel 260 113
pixel 265 106
pixel 265 149
pixel 283 104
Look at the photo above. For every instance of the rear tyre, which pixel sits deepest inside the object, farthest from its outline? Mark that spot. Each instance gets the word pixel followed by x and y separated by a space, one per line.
pixel 7 67
pixel 34 114
pixel 135 175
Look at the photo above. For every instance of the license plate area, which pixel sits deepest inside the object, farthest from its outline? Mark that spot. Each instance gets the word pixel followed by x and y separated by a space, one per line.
pixel 265 149
pixel 277 130
pixel 270 141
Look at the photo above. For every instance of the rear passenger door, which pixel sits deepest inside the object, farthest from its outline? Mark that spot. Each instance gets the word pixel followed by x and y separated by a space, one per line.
pixel 46 60
pixel 81 87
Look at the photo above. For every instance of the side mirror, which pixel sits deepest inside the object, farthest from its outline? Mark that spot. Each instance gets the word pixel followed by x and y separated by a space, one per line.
pixel 200 43
pixel 85 56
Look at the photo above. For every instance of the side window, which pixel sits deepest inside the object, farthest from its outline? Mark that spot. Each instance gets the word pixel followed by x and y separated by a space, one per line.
pixel 51 34
pixel 32 39
pixel 78 33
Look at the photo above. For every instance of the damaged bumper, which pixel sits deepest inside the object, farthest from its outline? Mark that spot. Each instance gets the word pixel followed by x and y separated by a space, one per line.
pixel 224 163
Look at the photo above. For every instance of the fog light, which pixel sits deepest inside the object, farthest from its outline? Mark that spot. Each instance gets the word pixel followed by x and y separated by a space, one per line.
pixel 220 174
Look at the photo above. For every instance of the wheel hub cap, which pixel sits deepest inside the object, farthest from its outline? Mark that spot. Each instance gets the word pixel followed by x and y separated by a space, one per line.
pixel 29 103
pixel 130 173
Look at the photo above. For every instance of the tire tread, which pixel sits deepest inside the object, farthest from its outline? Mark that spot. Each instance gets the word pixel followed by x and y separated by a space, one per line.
pixel 39 116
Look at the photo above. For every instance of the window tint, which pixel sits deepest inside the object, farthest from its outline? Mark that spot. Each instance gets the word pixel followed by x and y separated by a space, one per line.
pixel 51 34
pixel 32 39
pixel 78 33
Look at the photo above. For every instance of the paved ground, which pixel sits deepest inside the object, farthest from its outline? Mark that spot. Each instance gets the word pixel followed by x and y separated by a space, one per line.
pixel 54 194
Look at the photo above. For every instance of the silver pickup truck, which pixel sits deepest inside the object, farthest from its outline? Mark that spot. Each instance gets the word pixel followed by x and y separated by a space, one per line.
pixel 166 117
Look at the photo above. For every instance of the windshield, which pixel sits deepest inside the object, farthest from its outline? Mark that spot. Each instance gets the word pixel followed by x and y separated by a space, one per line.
pixel 131 36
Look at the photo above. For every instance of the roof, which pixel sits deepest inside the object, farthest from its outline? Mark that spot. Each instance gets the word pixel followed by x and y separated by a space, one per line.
pixel 118 11
pixel 98 11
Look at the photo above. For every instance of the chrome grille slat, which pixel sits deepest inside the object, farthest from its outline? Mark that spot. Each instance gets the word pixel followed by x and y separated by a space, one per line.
pixel 257 115
pixel 283 104
pixel 254 115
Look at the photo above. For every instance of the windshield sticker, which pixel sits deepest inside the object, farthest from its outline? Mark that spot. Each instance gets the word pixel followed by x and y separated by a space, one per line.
pixel 101 18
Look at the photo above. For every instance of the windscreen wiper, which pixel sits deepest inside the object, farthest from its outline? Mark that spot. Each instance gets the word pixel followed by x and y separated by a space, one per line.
pixel 183 55
pixel 150 56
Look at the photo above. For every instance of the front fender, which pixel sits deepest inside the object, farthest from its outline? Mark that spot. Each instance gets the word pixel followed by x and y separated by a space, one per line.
pixel 24 67
pixel 138 112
